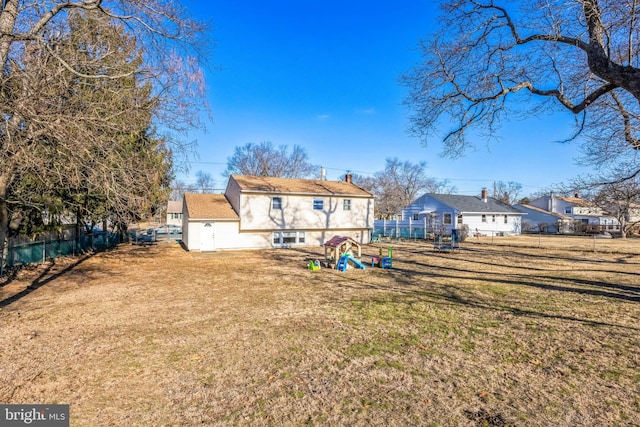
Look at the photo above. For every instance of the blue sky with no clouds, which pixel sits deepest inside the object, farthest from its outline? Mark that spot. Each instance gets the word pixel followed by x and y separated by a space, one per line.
pixel 324 75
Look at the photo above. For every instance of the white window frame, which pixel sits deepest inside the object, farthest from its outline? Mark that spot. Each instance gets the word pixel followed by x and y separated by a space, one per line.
pixel 318 204
pixel 346 205
pixel 294 238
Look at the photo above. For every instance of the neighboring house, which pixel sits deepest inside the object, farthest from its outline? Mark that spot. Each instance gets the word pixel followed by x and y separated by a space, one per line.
pixel 174 212
pixel 264 212
pixel 435 212
pixel 590 217
pixel 538 220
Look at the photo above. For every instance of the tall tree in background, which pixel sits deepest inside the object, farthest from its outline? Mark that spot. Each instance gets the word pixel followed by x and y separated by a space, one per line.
pixel 492 60
pixel 204 182
pixel 265 159
pixel 399 184
pixel 62 107
pixel 507 192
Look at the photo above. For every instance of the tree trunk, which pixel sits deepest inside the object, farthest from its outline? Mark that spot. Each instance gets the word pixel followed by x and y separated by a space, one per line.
pixel 4 219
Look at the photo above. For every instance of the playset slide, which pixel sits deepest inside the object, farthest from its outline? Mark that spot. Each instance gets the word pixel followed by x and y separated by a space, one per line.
pixel 342 263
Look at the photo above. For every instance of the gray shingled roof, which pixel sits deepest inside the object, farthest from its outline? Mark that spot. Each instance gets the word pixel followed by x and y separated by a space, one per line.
pixel 475 204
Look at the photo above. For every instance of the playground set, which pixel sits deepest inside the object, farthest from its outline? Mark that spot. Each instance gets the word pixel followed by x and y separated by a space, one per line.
pixel 443 243
pixel 338 253
pixel 383 262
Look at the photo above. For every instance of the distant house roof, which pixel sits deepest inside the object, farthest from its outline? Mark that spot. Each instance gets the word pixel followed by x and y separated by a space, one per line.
pixel 544 211
pixel 209 206
pixel 474 204
pixel 298 186
pixel 174 206
pixel 577 201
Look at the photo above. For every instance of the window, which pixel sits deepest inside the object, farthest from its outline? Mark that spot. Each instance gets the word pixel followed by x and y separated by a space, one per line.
pixel 447 218
pixel 176 216
pixel 289 237
pixel 318 204
pixel 416 217
pixel 493 218
pixel 346 205
pixel 459 219
pixel 276 203
pixel 567 210
pixel 484 218
pixel 506 219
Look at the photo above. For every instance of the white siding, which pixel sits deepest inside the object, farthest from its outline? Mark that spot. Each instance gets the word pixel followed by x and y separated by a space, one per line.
pixel 297 212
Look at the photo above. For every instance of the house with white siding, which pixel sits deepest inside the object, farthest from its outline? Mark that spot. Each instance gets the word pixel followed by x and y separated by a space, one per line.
pixel 174 212
pixel 482 215
pixel 538 220
pixel 581 211
pixel 265 212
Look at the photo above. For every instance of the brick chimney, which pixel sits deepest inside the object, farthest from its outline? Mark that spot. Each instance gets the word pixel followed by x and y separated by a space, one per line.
pixel 485 195
pixel 347 177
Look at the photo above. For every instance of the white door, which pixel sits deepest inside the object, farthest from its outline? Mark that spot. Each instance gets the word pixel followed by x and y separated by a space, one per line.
pixel 207 237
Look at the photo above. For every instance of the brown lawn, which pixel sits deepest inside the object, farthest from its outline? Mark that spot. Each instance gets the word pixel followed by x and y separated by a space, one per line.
pixel 514 331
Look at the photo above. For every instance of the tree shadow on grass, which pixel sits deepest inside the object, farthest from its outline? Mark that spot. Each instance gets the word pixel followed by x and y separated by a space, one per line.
pixel 44 278
pixel 402 286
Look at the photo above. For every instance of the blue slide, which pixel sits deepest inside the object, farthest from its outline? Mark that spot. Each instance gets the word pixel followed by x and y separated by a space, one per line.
pixel 354 261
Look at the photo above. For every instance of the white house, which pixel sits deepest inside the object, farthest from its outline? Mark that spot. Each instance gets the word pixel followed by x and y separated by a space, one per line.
pixel 542 221
pixel 174 212
pixel 265 212
pixel 434 212
pixel 592 217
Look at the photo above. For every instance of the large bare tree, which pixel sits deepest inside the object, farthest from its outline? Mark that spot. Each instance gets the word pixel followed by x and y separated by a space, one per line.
pixel 399 184
pixel 490 61
pixel 264 159
pixel 79 107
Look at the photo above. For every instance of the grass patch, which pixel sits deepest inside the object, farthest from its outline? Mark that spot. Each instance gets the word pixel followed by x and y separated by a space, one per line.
pixel 499 333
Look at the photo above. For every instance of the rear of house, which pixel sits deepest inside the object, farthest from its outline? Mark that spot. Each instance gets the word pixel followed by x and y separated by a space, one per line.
pixel 265 212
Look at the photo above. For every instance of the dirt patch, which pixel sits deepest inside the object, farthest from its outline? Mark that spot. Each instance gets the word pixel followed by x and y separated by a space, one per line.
pixel 488 335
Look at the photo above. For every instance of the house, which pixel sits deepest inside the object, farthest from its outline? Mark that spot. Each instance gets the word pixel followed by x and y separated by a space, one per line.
pixel 586 216
pixel 265 212
pixel 174 212
pixel 537 220
pixel 443 212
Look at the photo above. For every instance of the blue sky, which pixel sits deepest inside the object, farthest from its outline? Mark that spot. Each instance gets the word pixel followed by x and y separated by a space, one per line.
pixel 324 75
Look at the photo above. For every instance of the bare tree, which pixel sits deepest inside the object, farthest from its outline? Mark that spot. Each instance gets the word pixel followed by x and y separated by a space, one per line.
pixel 433 185
pixel 400 183
pixel 490 61
pixel 266 160
pixel 204 182
pixel 507 192
pixel 178 188
pixel 622 201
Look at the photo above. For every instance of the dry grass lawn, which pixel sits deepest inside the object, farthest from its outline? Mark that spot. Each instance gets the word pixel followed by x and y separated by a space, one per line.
pixel 518 331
